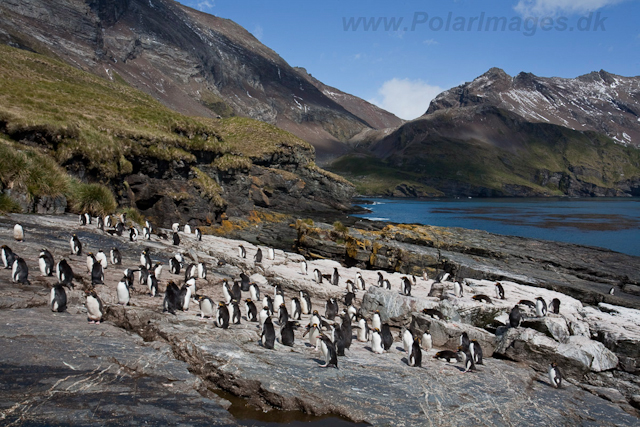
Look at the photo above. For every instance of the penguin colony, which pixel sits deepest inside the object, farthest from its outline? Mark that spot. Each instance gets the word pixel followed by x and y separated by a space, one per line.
pixel 330 334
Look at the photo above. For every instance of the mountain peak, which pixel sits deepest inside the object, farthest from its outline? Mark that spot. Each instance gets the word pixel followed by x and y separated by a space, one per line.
pixel 598 101
pixel 496 73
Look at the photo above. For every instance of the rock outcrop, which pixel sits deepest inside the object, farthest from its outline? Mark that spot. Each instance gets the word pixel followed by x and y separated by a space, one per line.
pixel 378 389
pixel 475 254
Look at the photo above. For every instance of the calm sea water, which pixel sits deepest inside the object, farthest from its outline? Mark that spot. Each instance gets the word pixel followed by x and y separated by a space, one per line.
pixel 607 223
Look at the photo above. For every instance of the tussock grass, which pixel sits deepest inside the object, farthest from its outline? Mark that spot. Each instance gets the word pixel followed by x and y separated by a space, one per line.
pixel 208 187
pixel 80 115
pixel 96 199
pixel 133 215
pixel 32 172
pixel 229 161
pixel 335 177
pixel 254 139
pixel 8 205
pixel 77 117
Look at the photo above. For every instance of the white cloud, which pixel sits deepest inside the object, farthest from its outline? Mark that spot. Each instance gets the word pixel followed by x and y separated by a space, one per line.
pixel 407 99
pixel 555 7
pixel 430 42
pixel 205 5
pixel 258 32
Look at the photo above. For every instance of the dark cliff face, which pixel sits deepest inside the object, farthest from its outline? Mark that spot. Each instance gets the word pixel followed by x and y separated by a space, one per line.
pixel 598 101
pixel 192 62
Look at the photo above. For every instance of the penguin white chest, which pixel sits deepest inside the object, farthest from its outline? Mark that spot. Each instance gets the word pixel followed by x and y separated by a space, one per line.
pixel 427 343
pixel 43 266
pixel 123 293
pixel 313 336
pixel 362 331
pixel 255 296
pixel 407 340
pixel 187 300
pixel 540 312
pixel 375 322
pixel 263 316
pixel 277 301
pixel 93 308
pixel 191 283
pixel 376 343
pixel 324 349
pixel 303 305
pixel 206 308
pixel 14 271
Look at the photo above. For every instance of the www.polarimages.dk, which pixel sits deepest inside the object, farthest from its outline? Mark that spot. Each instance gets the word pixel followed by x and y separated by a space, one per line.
pixel 422 21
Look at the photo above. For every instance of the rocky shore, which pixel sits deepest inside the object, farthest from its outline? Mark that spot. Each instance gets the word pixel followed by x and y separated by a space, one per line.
pixel 143 365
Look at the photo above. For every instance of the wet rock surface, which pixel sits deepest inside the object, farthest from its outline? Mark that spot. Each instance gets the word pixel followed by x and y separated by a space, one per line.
pixel 140 347
pixel 58 369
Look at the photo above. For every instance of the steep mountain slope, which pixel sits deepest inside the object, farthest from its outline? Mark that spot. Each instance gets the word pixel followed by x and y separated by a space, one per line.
pixel 375 116
pixel 192 62
pixel 488 151
pixel 598 101
pixel 169 166
pixel 510 136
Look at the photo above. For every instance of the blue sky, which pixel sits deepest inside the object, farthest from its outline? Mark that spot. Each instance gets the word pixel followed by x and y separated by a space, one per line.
pixel 401 70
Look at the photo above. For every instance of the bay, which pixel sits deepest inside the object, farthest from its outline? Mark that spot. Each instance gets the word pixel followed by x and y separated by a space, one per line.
pixel 612 223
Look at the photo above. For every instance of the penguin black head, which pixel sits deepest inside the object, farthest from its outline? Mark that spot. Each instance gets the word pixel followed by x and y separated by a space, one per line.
pixel 221 304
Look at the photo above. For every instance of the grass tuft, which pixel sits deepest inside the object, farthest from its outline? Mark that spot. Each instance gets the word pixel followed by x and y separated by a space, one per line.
pixel 8 205
pixel 229 162
pixel 208 187
pixel 29 171
pixel 133 215
pixel 96 199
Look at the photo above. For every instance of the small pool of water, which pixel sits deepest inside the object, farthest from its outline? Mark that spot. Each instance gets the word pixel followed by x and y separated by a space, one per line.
pixel 247 415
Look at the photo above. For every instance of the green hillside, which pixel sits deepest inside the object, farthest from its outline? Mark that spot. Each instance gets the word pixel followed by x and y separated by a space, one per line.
pixel 103 127
pixel 492 152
